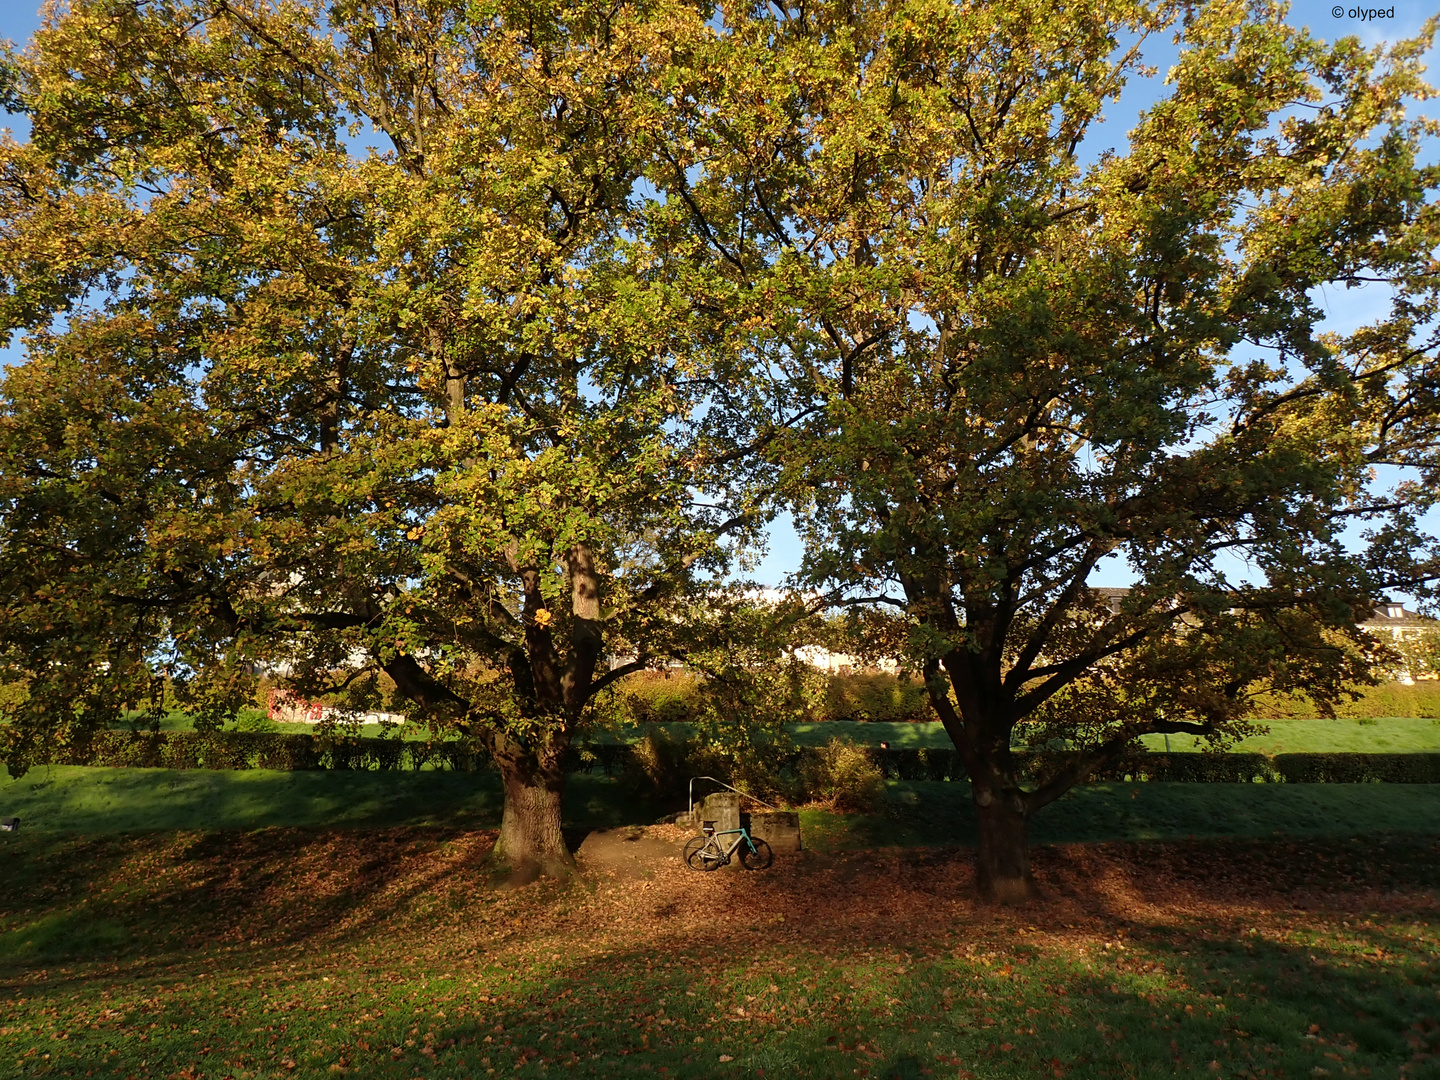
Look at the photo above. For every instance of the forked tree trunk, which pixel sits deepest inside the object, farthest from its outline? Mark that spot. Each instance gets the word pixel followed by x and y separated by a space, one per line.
pixel 1003 861
pixel 530 835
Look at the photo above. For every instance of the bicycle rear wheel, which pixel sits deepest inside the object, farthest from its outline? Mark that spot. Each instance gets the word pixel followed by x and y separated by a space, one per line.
pixel 701 854
pixel 759 859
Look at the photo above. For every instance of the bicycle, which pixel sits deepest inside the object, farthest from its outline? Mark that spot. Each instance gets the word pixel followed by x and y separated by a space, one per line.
pixel 706 853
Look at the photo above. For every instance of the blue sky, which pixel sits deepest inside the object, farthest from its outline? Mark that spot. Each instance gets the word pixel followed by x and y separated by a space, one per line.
pixel 1346 308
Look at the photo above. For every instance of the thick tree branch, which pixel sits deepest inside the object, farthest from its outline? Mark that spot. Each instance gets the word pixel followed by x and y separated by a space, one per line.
pixel 615 674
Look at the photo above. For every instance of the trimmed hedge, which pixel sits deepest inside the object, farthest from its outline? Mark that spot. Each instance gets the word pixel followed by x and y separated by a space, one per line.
pixel 292 752
pixel 1421 699
pixel 653 696
pixel 267 750
pixel 910 764
pixel 650 697
pixel 1359 768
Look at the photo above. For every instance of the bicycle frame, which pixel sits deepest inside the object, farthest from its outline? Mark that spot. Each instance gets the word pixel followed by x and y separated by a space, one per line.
pixel 711 854
pixel 740 834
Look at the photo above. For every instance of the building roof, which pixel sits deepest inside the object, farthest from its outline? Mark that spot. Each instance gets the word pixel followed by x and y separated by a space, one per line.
pixel 1388 613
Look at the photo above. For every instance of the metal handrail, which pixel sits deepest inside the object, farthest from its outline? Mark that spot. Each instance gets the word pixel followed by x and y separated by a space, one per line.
pixel 690 806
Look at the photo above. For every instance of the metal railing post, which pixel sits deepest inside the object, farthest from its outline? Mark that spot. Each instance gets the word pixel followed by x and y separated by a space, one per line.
pixel 690 806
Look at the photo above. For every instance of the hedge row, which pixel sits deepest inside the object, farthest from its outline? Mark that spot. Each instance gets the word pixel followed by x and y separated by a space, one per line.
pixel 265 750
pixel 1420 699
pixel 652 696
pixel 1191 768
pixel 290 752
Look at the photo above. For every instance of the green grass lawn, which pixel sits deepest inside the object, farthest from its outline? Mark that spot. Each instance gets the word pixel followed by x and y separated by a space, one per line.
pixel 1387 735
pixel 920 812
pixel 101 800
pixel 168 924
pixel 104 800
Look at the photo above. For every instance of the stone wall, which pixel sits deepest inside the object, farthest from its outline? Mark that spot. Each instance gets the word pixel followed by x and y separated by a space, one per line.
pixel 778 828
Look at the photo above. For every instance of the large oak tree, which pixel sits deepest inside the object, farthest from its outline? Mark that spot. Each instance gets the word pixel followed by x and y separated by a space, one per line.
pixel 426 409
pixel 1015 357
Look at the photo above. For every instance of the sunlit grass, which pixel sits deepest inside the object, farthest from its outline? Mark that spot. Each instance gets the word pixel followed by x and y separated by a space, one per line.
pixel 104 800
pixel 97 800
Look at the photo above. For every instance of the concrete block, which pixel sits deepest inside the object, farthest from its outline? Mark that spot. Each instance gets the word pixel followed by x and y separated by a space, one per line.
pixel 723 808
pixel 778 828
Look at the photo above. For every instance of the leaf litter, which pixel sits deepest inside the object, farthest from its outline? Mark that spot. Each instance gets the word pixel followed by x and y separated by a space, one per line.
pixel 392 953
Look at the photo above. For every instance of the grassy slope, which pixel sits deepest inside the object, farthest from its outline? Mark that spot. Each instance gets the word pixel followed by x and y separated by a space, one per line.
pixel 101 800
pixel 96 801
pixel 938 813
pixel 1391 735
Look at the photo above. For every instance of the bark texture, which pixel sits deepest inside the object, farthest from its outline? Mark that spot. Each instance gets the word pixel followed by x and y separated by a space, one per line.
pixel 530 832
pixel 1003 862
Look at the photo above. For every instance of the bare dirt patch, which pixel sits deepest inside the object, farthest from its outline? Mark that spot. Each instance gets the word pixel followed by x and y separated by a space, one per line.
pixel 628 852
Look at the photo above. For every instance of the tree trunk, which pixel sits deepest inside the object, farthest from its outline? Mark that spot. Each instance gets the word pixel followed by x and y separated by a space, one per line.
pixel 530 836
pixel 1002 865
pixel 1003 862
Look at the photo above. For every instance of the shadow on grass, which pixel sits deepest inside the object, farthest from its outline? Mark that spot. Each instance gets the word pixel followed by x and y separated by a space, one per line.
pixel 146 898
pixel 1202 1002
pixel 166 894
pixel 1281 960
pixel 95 801
pixel 1209 1003
pixel 927 813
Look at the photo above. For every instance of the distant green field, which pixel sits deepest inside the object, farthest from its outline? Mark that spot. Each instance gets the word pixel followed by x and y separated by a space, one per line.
pixel 1390 736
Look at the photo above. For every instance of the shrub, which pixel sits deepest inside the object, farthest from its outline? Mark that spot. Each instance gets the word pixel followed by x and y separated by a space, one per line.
pixel 1358 768
pixel 666 697
pixel 1420 699
pixel 293 752
pixel 254 720
pixel 875 696
pixel 610 757
pixel 843 776
pixel 918 764
pixel 266 750
pixel 659 763
pixel 1203 768
pixel 1191 768
pixel 658 697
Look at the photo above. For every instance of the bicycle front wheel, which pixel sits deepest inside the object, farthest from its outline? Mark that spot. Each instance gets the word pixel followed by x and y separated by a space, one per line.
pixel 700 854
pixel 759 859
